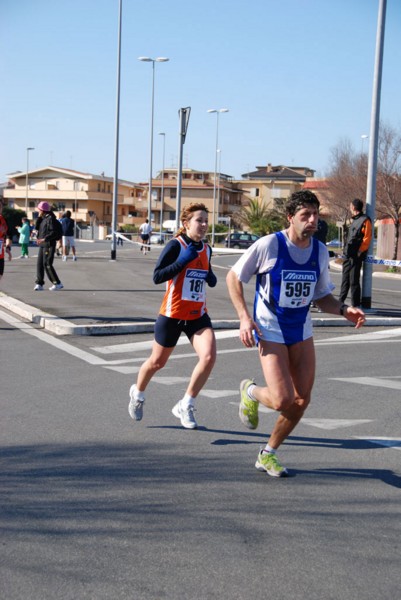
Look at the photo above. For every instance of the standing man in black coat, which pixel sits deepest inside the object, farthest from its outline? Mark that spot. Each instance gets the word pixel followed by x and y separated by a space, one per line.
pixel 355 251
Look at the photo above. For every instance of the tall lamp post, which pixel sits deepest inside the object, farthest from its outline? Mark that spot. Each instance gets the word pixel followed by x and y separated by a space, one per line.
pixel 153 61
pixel 26 179
pixel 113 254
pixel 363 138
pixel 217 111
pixel 162 190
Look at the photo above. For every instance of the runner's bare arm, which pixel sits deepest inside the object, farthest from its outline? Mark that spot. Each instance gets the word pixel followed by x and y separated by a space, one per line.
pixel 331 305
pixel 247 324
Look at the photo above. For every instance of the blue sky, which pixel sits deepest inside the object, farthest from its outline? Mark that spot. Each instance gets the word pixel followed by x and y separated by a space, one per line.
pixel 296 76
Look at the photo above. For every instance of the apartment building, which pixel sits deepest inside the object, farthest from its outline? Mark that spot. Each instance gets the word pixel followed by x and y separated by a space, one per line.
pixel 196 186
pixel 272 185
pixel 89 197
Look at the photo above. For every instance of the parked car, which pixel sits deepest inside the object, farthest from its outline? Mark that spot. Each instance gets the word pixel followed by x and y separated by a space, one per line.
pixel 240 240
pixel 160 238
pixel 334 244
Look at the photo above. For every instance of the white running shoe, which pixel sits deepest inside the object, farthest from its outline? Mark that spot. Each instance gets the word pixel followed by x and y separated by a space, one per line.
pixel 135 406
pixel 38 288
pixel 64 258
pixel 56 286
pixel 186 415
pixel 74 258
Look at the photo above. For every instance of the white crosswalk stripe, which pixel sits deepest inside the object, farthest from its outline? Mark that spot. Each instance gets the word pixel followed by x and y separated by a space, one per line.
pixel 334 423
pixel 373 381
pixel 387 442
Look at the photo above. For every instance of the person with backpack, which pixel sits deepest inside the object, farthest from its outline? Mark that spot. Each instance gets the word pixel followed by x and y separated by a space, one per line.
pixel 49 231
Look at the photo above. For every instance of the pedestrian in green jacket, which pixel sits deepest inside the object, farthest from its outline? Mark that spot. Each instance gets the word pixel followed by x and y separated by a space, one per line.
pixel 24 237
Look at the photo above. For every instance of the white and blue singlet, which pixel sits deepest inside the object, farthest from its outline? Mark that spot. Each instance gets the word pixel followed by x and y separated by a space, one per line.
pixel 288 279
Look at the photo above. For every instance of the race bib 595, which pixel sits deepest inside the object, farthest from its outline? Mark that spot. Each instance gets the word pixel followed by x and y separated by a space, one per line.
pixel 297 288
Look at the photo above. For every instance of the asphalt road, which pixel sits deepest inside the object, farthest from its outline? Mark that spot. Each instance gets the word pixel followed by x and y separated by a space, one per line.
pixel 97 506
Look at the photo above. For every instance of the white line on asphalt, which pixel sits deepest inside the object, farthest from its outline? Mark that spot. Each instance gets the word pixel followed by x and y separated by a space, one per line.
pixel 384 334
pixel 219 393
pixel 319 423
pixel 170 380
pixel 373 381
pixel 55 342
pixel 388 442
pixel 334 423
pixel 349 342
pixel 138 346
pixel 127 361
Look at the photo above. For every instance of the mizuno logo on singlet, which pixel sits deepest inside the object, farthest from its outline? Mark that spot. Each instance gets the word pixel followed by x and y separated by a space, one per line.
pixel 196 274
pixel 299 276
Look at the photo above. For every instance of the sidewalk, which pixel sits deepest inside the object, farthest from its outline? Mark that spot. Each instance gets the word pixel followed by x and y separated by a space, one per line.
pixel 104 297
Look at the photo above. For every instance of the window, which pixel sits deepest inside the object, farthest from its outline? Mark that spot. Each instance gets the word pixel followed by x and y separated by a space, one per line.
pixel 173 194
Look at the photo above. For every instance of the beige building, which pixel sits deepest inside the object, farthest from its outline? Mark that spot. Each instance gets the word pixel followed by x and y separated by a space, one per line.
pixel 196 186
pixel 89 197
pixel 273 184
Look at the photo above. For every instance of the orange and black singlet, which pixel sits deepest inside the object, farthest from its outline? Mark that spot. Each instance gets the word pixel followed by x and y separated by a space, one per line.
pixel 185 296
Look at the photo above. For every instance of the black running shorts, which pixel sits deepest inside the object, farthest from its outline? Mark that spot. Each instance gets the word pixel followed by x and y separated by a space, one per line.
pixel 168 330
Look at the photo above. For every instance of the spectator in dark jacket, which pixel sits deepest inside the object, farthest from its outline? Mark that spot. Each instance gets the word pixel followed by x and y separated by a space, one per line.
pixel 68 226
pixel 48 232
pixel 355 251
pixel 322 230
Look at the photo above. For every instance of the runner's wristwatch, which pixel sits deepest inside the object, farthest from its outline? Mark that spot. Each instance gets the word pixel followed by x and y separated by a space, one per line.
pixel 343 308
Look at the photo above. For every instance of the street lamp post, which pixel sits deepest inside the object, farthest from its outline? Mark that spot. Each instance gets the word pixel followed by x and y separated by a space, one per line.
pixel 26 179
pixel 363 138
pixel 162 190
pixel 113 255
pixel 153 61
pixel 217 111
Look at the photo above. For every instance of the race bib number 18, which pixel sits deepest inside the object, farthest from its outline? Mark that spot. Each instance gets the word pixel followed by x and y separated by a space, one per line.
pixel 297 288
pixel 193 287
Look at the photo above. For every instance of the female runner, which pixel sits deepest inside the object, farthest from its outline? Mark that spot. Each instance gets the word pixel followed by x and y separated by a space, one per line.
pixel 185 265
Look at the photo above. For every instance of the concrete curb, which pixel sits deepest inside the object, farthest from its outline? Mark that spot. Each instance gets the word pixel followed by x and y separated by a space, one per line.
pixel 62 327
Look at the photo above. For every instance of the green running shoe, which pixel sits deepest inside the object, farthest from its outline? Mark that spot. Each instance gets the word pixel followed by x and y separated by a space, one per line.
pixel 268 461
pixel 248 409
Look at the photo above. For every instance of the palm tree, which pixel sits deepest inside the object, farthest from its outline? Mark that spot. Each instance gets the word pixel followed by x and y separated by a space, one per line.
pixel 259 218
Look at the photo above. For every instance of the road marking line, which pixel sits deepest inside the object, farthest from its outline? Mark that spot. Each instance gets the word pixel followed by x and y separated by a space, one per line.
pixel 378 336
pixel 169 380
pixel 218 393
pixel 334 423
pixel 146 345
pixel 368 337
pixel 55 342
pixel 388 442
pixel 373 381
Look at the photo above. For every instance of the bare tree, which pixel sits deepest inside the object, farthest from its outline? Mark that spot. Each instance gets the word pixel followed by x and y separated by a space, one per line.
pixel 388 184
pixel 346 179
